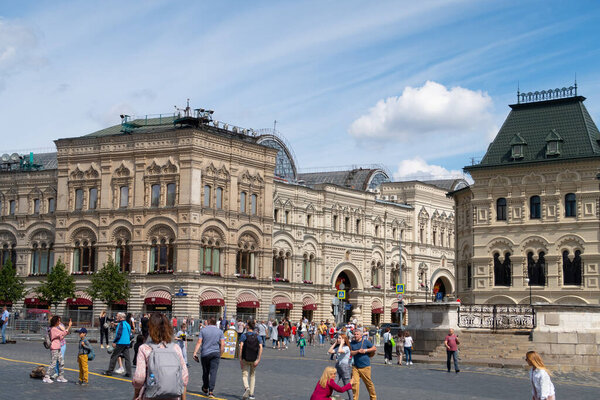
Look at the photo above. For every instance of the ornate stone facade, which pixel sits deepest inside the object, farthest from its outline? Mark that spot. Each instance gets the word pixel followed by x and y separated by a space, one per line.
pixel 197 210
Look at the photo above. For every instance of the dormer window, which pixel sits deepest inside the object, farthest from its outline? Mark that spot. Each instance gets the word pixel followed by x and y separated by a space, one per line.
pixel 517 145
pixel 553 143
pixel 517 151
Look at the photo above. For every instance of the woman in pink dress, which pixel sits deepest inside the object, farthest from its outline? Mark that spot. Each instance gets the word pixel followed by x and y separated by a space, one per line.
pixel 327 385
pixel 160 332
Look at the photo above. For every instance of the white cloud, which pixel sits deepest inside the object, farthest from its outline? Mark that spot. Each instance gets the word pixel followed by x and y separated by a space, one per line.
pixel 18 47
pixel 418 169
pixel 422 112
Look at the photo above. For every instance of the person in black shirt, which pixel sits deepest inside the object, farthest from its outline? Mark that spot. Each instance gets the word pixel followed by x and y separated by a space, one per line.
pixel 144 324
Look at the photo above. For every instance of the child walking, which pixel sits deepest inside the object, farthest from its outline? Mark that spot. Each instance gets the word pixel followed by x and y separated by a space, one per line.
pixel 82 356
pixel 302 344
pixel 182 341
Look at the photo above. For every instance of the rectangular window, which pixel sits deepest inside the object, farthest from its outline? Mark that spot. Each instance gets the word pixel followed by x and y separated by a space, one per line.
pixel 434 236
pixel 287 217
pixel 12 207
pixel 36 206
pixel 51 205
pixel 308 220
pixel 347 224
pixel 334 223
pixel 171 195
pixel 469 276
pixel 253 200
pixel 275 215
pixel 358 226
pixel 93 198
pixel 124 193
pixel 207 196
pixel 376 230
pixel 243 202
pixel 219 204
pixel 155 193
pixel 79 199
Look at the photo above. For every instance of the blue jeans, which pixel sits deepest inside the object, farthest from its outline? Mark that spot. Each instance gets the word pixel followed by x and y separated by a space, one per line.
pixel 452 354
pixel 408 352
pixel 302 351
pixel 321 339
pixel 344 372
pixel 4 332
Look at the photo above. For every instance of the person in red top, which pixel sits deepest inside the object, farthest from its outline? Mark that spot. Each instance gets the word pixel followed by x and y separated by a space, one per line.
pixel 174 321
pixel 327 385
pixel 452 343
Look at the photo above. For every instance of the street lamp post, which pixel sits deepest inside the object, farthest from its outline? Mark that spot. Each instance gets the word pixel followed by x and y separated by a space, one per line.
pixel 529 284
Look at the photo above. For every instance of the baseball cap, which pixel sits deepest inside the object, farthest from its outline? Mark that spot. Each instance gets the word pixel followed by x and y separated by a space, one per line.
pixel 82 330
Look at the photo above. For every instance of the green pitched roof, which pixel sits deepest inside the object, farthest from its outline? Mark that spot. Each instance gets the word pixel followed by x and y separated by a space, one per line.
pixel 142 125
pixel 566 120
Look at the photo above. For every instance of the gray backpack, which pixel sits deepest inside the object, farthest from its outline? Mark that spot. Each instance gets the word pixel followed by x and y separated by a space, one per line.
pixel 164 375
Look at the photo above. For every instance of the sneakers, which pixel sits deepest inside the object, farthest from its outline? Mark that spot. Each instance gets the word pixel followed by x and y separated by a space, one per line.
pixel 47 379
pixel 54 376
pixel 211 395
pixel 101 346
pixel 204 390
pixel 61 380
pixel 120 370
pixel 251 397
pixel 410 363
pixel 246 394
pixel 107 373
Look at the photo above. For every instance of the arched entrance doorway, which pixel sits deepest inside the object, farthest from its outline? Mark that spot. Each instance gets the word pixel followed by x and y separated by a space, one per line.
pixel 346 280
pixel 439 290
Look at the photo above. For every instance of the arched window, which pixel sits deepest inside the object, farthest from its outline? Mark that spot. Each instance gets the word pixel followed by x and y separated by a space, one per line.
pixel 84 256
pixel 171 194
pixel 536 270
pixel 8 253
pixel 307 266
pixel 279 263
pixel 253 204
pixel 246 255
pixel 207 196
pixel 78 199
pixel 219 202
pixel 501 209
pixel 93 203
pixel 502 270
pixel 535 207
pixel 123 255
pixel 375 273
pixel 155 195
pixel 570 205
pixel 572 270
pixel 209 260
pixel 243 202
pixel 162 255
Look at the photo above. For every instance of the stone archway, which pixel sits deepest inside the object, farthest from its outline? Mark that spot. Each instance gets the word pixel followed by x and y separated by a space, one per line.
pixel 347 275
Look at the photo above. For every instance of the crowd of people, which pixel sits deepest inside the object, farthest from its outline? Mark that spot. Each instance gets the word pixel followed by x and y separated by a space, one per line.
pixel 161 364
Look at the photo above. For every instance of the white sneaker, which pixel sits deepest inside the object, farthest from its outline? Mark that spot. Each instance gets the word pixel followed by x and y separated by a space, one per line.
pixel 47 380
pixel 61 380
pixel 101 346
pixel 411 363
pixel 246 394
pixel 54 376
pixel 120 371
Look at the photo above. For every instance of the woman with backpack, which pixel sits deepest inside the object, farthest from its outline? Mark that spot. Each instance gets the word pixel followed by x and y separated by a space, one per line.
pixel 158 354
pixel 388 345
pixel 56 335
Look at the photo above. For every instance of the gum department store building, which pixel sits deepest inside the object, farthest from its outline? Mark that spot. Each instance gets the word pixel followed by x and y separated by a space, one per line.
pixel 185 204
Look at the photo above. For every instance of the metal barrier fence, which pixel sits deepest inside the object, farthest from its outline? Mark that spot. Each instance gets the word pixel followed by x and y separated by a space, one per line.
pixel 496 316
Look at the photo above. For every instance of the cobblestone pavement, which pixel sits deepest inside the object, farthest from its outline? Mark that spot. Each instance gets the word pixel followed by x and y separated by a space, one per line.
pixel 284 375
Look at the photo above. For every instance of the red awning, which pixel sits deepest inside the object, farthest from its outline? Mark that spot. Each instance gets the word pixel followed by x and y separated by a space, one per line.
pixel 37 311
pixel 35 302
pixel 377 310
pixel 282 303
pixel 120 302
pixel 81 299
pixel 158 297
pixel 211 298
pixel 247 300
pixel 5 303
pixel 308 303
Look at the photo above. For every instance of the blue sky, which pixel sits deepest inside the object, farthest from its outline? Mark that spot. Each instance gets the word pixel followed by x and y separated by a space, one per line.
pixel 420 87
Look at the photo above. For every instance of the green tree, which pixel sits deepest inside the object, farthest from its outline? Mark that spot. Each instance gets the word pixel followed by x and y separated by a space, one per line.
pixel 12 287
pixel 109 284
pixel 59 285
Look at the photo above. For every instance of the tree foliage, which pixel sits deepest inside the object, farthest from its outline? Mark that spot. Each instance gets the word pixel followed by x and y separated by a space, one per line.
pixel 12 287
pixel 109 284
pixel 59 285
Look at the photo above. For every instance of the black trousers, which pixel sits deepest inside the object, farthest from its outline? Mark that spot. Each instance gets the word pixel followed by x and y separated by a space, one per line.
pixel 210 366
pixel 387 349
pixel 104 335
pixel 120 350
